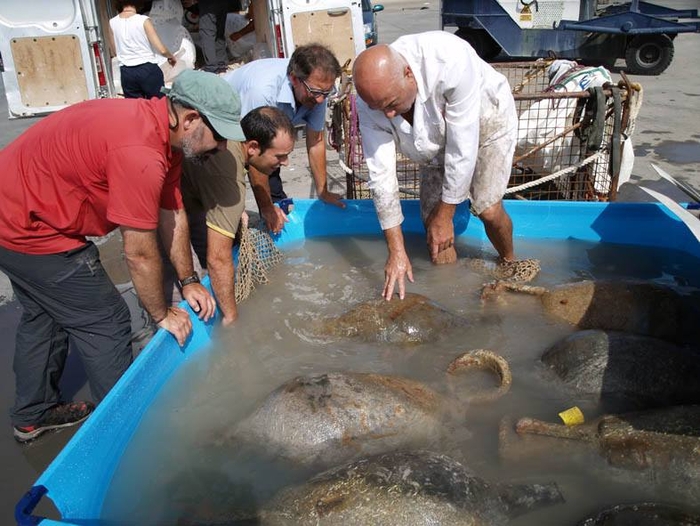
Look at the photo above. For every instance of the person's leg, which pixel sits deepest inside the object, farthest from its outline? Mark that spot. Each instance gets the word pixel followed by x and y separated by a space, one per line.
pixel 152 80
pixel 75 292
pixel 221 51
pixel 498 133
pixel 276 190
pixel 431 178
pixel 96 318
pixel 41 348
pixel 207 35
pixel 499 230
pixel 130 83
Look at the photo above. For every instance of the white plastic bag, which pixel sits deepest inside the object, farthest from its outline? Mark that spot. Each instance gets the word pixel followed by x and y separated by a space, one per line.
pixel 548 118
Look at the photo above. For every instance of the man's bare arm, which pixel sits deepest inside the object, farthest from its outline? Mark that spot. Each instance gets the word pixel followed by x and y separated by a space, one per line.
pixel 397 264
pixel 316 149
pixel 175 234
pixel 221 273
pixel 440 229
pixel 274 217
pixel 146 268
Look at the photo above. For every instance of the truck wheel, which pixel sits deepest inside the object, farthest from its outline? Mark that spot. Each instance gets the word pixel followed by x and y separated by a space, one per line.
pixel 649 54
pixel 483 43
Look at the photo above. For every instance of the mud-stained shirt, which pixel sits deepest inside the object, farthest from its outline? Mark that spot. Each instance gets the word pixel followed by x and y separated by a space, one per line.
pixel 455 89
pixel 85 170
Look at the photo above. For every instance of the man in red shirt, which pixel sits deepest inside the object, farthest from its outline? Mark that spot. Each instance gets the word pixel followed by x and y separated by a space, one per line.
pixel 85 171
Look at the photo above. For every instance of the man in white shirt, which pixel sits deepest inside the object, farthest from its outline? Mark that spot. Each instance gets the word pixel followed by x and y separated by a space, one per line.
pixel 433 98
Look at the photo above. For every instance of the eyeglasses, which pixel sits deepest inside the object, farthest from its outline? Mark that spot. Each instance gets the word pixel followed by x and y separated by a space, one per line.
pixel 315 92
pixel 217 136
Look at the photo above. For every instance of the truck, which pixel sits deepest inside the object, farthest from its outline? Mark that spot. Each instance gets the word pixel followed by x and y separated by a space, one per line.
pixel 57 53
pixel 597 32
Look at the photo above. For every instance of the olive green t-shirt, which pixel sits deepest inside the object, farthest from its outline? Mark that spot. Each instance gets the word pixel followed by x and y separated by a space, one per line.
pixel 214 191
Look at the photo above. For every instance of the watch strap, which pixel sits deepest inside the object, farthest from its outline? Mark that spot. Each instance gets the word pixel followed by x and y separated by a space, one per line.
pixel 194 278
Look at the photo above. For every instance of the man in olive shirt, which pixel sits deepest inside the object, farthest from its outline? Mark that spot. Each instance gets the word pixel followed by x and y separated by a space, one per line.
pixel 214 195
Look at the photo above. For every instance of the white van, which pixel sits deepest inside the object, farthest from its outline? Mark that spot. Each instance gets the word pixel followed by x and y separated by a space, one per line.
pixel 290 23
pixel 55 52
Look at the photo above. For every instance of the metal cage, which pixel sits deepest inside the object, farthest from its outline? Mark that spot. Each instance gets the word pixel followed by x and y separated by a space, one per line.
pixel 569 143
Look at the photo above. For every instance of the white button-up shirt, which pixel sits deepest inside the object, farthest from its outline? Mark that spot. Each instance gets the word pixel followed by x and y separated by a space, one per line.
pixel 455 89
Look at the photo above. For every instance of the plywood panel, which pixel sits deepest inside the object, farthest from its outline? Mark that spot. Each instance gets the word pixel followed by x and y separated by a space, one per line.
pixel 332 27
pixel 105 11
pixel 49 70
pixel 262 28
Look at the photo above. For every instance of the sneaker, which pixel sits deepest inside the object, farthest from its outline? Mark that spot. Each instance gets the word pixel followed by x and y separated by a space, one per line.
pixel 61 415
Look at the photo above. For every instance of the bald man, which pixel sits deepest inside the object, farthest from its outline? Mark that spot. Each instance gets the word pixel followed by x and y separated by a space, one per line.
pixel 431 97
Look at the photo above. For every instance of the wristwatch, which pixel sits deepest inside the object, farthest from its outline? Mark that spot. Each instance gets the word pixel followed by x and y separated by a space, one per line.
pixel 194 278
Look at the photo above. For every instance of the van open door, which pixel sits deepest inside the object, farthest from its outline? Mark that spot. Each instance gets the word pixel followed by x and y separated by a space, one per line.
pixel 53 54
pixel 335 23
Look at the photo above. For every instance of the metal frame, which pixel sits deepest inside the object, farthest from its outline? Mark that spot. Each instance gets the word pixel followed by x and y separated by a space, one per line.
pixel 588 38
pixel 562 167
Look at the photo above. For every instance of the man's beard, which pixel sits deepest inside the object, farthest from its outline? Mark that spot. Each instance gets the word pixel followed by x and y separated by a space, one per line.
pixel 188 147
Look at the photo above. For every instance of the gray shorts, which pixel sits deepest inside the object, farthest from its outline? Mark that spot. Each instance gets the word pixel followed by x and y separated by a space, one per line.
pixel 497 138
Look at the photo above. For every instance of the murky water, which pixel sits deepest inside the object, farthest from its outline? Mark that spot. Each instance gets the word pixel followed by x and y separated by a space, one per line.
pixel 180 465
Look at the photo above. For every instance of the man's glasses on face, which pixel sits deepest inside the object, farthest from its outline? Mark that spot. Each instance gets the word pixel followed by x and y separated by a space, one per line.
pixel 217 136
pixel 316 93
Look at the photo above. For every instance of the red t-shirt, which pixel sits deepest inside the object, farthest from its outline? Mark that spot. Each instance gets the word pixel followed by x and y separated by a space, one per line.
pixel 85 170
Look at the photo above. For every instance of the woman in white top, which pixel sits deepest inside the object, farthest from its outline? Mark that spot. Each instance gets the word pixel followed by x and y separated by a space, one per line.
pixel 134 38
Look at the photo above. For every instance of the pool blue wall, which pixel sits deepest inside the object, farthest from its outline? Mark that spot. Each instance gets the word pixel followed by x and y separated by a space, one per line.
pixel 78 479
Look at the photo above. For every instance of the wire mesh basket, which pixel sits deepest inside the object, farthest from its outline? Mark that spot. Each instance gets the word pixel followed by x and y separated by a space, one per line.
pixel 569 143
pixel 525 77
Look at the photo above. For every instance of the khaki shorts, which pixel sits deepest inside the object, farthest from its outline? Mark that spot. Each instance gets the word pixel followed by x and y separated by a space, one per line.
pixel 497 138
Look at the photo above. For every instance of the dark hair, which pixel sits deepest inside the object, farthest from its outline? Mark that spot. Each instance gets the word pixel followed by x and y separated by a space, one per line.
pixel 119 5
pixel 264 123
pixel 310 57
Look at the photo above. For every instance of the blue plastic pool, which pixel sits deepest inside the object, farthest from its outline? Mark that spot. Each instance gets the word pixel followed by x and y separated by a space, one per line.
pixel 78 479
